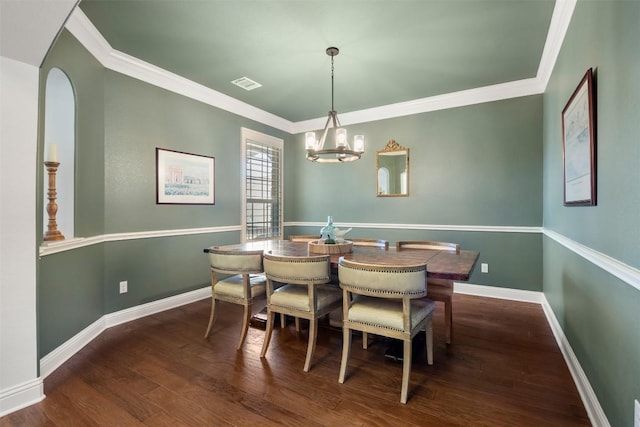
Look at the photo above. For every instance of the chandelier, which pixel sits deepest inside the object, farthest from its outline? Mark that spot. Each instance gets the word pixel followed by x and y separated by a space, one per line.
pixel 342 152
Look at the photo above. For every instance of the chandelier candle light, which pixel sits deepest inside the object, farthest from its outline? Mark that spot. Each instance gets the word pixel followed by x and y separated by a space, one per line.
pixel 342 151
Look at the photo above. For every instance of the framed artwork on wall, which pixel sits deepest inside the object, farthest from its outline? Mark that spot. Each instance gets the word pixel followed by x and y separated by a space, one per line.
pixel 183 178
pixel 579 145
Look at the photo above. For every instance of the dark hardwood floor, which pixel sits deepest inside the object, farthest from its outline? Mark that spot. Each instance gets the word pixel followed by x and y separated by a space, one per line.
pixel 503 369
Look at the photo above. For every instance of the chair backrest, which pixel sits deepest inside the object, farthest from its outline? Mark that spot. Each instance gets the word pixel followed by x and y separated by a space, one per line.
pixel 303 237
pixel 298 270
pixel 370 242
pixel 241 262
pixel 382 280
pixel 430 246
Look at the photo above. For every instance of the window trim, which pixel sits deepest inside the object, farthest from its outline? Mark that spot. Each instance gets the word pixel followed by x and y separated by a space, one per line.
pixel 261 138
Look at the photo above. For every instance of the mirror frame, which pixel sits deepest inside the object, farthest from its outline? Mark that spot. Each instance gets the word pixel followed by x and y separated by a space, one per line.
pixel 392 146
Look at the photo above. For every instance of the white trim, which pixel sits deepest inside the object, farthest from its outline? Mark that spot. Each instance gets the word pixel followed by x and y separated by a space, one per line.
pixel 133 313
pixel 589 398
pixel 500 293
pixel 52 248
pixel 560 20
pixel 67 245
pixel 57 357
pixel 82 29
pixel 618 269
pixel 438 227
pixel 87 34
pixel 463 98
pixel 20 396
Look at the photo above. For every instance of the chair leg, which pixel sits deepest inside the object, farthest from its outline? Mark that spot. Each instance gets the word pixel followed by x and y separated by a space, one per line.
pixel 346 348
pixel 267 332
pixel 297 323
pixel 365 340
pixel 245 325
pixel 448 319
pixel 406 369
pixel 429 342
pixel 311 346
pixel 283 321
pixel 212 317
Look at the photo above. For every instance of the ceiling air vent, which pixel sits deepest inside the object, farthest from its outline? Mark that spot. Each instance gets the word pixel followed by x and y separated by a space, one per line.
pixel 246 83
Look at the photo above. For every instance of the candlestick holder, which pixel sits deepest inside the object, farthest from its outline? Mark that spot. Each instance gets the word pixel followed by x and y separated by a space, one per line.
pixel 52 233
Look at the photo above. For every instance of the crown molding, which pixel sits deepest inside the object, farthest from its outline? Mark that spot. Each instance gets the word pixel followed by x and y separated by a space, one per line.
pixel 622 271
pixel 560 20
pixel 463 98
pixel 82 29
pixel 86 33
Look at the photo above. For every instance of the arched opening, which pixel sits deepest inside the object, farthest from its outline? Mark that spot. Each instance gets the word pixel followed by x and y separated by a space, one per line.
pixel 60 130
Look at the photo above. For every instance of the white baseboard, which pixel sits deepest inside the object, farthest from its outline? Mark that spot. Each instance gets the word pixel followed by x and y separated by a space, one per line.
pixel 21 396
pixel 133 313
pixel 501 293
pixel 57 357
pixel 589 399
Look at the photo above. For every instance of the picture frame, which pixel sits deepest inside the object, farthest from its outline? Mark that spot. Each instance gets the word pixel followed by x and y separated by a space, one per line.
pixel 579 145
pixel 184 178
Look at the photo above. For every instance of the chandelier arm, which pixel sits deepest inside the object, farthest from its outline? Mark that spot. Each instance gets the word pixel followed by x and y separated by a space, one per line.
pixel 324 133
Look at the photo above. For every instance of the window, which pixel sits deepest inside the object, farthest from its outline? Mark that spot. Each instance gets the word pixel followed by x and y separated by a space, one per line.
pixel 261 186
pixel 60 129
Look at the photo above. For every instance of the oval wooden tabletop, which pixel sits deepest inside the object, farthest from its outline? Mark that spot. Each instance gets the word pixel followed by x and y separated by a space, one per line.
pixel 440 264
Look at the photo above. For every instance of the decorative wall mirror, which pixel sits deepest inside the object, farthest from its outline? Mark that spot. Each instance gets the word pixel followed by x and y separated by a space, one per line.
pixel 392 169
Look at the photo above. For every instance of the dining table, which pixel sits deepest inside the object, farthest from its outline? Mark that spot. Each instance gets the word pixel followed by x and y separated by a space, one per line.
pixel 449 265
pixel 456 266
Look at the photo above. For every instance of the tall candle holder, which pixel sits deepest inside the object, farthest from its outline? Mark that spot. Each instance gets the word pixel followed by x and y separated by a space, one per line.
pixel 52 233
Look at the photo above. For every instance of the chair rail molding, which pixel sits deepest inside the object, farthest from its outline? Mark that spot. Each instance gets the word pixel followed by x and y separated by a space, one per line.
pixel 434 227
pixel 622 271
pixel 52 248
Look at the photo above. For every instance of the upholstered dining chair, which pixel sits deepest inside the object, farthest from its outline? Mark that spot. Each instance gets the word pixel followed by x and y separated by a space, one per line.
pixel 305 293
pixel 245 283
pixel 376 243
pixel 437 289
pixel 387 301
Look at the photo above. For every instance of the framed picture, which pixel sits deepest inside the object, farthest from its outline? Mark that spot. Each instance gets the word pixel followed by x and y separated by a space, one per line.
pixel 579 145
pixel 183 178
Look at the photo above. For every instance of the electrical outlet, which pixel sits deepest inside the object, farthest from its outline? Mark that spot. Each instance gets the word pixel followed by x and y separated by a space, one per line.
pixel 636 414
pixel 484 267
pixel 124 287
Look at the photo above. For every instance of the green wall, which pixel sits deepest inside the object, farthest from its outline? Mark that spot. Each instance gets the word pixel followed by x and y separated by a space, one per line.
pixel 476 165
pixel 70 296
pixel 140 117
pixel 120 123
pixel 598 312
pixel 479 165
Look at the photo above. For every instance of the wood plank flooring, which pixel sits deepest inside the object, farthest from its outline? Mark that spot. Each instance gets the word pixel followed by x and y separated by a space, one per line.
pixel 503 369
